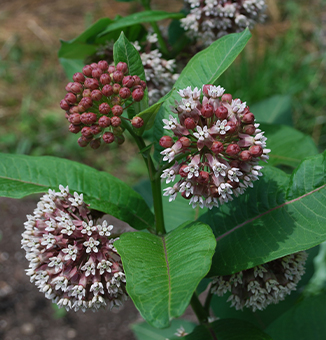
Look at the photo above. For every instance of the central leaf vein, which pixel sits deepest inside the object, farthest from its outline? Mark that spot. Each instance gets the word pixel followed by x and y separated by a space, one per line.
pixel 168 272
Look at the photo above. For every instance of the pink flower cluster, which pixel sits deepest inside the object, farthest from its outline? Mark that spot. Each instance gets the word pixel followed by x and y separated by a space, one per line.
pixel 71 258
pixel 215 149
pixel 96 100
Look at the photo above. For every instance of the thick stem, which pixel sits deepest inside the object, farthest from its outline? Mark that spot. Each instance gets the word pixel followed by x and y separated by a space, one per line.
pixel 199 310
pixel 155 181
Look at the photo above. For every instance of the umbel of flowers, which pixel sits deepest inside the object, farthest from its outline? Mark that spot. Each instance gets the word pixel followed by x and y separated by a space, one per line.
pixel 209 20
pixel 71 258
pixel 217 145
pixel 258 287
pixel 96 100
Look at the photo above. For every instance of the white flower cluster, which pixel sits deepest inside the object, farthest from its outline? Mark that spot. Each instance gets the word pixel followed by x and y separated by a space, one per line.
pixel 71 259
pixel 160 73
pixel 209 20
pixel 258 287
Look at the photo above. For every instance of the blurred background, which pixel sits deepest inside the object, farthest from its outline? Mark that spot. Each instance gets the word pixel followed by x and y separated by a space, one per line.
pixel 285 60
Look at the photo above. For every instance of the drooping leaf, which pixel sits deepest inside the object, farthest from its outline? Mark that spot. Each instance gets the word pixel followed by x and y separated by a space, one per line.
pixel 162 272
pixel 288 145
pixel 22 175
pixel 144 331
pixel 274 110
pixel 204 68
pixel 141 17
pixel 304 321
pixel 227 329
pixel 222 308
pixel 124 51
pixel 281 215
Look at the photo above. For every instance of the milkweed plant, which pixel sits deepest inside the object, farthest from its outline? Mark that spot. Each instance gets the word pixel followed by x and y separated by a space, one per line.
pixel 217 224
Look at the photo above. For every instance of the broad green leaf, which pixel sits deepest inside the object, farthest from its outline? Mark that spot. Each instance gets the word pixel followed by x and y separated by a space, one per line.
pixel 204 68
pixel 318 281
pixel 149 114
pixel 162 272
pixel 124 51
pixel 227 329
pixel 22 175
pixel 288 145
pixel 304 321
pixel 274 110
pixel 141 17
pixel 281 215
pixel 144 331
pixel 221 307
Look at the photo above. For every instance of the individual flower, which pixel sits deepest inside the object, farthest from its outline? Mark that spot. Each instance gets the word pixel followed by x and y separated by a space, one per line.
pixel 96 100
pixel 71 259
pixel 215 148
pixel 209 20
pixel 258 287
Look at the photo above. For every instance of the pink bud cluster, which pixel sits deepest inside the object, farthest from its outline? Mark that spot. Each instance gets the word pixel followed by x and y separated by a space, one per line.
pixel 258 287
pixel 96 100
pixel 217 145
pixel 71 258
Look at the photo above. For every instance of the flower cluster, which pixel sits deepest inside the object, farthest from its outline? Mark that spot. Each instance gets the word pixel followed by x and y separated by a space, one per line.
pixel 160 73
pixel 258 287
pixel 71 259
pixel 222 143
pixel 209 20
pixel 96 100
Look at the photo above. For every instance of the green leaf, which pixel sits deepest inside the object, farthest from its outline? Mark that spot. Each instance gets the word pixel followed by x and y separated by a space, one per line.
pixel 144 331
pixel 162 272
pixel 227 329
pixel 261 319
pixel 281 215
pixel 304 321
pixel 288 145
pixel 141 17
pixel 274 110
pixel 149 114
pixel 124 51
pixel 22 175
pixel 204 68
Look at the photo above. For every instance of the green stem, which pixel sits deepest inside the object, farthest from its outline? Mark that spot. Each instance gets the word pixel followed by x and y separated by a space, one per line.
pixel 208 301
pixel 155 181
pixel 199 310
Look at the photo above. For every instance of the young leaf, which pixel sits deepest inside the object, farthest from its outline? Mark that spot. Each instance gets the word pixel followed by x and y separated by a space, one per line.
pixel 124 51
pixel 289 146
pixel 144 331
pixel 281 215
pixel 22 175
pixel 227 329
pixel 204 68
pixel 162 272
pixel 141 17
pixel 304 321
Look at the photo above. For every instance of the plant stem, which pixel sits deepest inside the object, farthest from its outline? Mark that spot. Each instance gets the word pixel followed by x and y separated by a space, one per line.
pixel 208 301
pixel 155 181
pixel 199 310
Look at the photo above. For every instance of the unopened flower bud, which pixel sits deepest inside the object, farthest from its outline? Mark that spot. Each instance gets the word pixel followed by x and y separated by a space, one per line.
pixel 78 77
pixel 143 84
pixel 86 132
pixel 96 95
pixel 116 88
pixel 74 118
pixel 137 122
pixel 232 149
pixel 104 122
pixel 87 93
pixel 137 80
pixel 248 118
pixel 95 143
pixel 87 70
pixel 137 95
pixel 217 147
pixel 116 100
pixel 82 142
pixel 108 137
pixel 117 110
pixel 88 118
pixel 105 79
pixel 94 65
pixel 207 111
pixel 117 76
pixel 233 127
pixel 249 129
pixel 74 128
pixel 76 88
pixel 245 155
pixel 104 108
pixel 206 87
pixel 96 72
pixel 103 65
pixel 91 83
pixel 256 150
pixel 107 90
pixel 227 98
pixel 96 129
pixel 124 93
pixel 186 142
pixel 166 142
pixel 86 102
pixel 70 98
pixel 64 105
pixel 221 112
pixel 190 124
pixel 115 121
pixel 128 81
pixel 122 67
pixel 182 173
pixel 203 177
pixel 111 69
